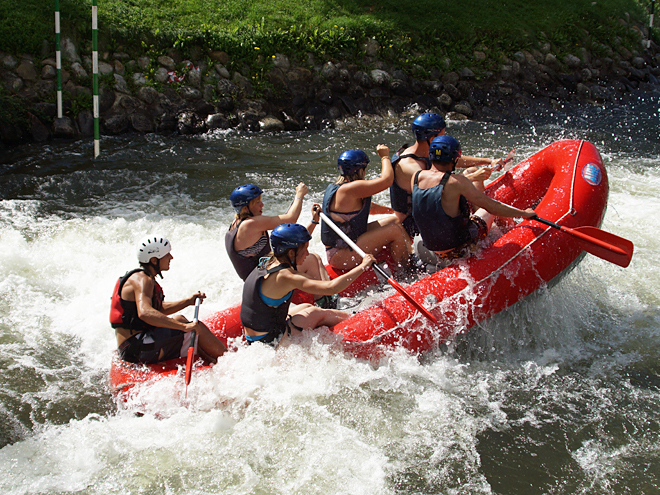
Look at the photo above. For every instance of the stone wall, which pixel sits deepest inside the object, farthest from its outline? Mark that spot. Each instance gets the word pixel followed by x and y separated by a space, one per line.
pixel 195 96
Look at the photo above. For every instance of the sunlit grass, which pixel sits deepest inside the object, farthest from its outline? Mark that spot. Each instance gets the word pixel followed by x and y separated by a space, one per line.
pixel 408 31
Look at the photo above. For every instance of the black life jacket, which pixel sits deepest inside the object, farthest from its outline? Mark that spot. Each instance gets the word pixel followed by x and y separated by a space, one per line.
pixel 124 313
pixel 439 231
pixel 255 313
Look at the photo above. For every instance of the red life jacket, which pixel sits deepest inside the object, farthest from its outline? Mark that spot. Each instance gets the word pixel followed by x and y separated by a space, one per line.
pixel 124 313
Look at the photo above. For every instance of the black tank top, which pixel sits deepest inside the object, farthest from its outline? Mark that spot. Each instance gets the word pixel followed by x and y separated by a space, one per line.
pixel 353 228
pixel 400 199
pixel 243 264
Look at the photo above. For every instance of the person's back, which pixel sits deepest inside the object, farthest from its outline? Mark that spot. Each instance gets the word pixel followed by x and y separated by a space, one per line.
pixel 347 202
pixel 441 205
pixel 266 314
pixel 408 160
pixel 440 211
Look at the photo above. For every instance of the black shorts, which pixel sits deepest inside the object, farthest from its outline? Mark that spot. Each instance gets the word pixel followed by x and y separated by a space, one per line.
pixel 145 347
pixel 410 226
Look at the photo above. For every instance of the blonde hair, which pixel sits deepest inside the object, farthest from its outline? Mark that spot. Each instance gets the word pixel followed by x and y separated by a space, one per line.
pixel 282 258
pixel 245 213
pixel 359 175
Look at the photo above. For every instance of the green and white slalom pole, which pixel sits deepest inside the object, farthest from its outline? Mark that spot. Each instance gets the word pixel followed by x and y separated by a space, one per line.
pixel 95 78
pixel 648 41
pixel 58 59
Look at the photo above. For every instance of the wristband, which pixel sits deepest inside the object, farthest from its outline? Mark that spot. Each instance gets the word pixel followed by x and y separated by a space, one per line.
pixel 299 198
pixel 315 223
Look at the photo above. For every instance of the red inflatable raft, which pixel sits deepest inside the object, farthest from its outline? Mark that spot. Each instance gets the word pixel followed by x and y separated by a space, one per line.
pixel 565 183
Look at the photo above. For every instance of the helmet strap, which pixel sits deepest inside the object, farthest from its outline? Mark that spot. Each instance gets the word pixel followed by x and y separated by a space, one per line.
pixel 295 255
pixel 157 269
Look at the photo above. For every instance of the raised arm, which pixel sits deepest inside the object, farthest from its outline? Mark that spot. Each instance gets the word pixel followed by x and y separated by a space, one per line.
pixel 366 188
pixel 264 222
pixel 476 161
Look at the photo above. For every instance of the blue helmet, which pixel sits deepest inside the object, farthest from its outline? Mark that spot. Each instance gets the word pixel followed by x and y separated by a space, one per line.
pixel 287 236
pixel 427 125
pixel 242 195
pixel 351 161
pixel 444 148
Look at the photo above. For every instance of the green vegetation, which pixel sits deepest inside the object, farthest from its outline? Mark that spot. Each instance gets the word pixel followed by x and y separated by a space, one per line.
pixel 409 32
pixel 25 24
pixel 13 111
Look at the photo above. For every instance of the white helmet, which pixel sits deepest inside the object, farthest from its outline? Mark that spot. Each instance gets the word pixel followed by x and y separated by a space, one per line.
pixel 153 247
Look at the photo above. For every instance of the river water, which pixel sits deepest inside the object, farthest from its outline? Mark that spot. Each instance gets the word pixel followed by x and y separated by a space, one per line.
pixel 559 394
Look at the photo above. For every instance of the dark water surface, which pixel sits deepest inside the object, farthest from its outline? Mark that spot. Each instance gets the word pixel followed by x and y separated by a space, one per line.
pixel 560 394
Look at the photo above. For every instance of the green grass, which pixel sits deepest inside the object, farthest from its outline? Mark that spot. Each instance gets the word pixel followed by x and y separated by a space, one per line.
pixel 408 31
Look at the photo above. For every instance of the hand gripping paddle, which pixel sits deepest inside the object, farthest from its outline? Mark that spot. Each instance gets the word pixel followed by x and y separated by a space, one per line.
pixel 191 347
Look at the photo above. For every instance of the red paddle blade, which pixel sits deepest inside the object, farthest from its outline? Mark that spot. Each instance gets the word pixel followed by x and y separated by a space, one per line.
pixel 410 299
pixel 603 244
pixel 189 364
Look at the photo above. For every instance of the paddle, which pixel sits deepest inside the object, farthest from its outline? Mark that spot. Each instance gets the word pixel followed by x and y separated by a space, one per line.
pixel 382 272
pixel 191 347
pixel 603 244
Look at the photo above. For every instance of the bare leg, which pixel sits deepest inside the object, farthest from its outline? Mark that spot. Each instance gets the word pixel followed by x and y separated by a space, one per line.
pixel 313 266
pixel 487 217
pixel 209 346
pixel 308 316
pixel 400 246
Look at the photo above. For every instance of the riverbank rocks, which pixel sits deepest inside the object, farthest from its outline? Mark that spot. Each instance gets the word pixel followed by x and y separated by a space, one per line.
pixel 170 94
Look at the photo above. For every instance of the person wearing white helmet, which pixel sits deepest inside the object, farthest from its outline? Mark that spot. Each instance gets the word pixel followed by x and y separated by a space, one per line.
pixel 140 316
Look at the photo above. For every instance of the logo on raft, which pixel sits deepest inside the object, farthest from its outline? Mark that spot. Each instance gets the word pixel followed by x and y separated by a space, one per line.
pixel 592 174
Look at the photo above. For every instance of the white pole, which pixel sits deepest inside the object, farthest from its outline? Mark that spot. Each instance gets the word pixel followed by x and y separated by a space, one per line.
pixel 95 79
pixel 648 41
pixel 58 59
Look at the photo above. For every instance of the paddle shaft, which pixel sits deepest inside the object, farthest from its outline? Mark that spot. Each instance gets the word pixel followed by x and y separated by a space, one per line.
pixel 191 347
pixel 378 269
pixel 582 236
